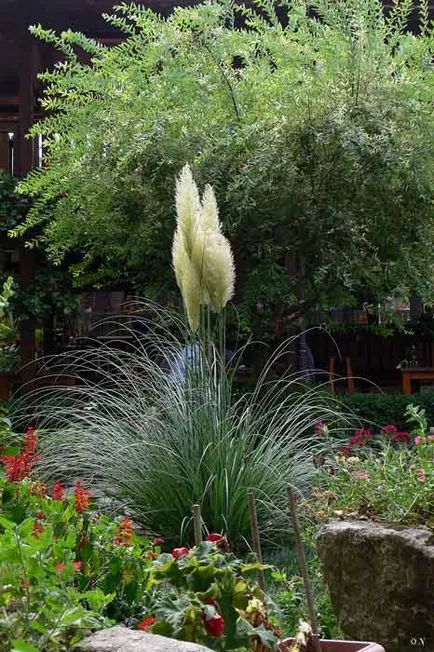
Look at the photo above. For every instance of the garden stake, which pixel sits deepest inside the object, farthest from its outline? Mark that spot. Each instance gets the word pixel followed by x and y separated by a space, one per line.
pixel 304 572
pixel 197 523
pixel 253 516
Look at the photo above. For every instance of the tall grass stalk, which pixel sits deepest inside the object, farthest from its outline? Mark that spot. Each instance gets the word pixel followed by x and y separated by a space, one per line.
pixel 155 445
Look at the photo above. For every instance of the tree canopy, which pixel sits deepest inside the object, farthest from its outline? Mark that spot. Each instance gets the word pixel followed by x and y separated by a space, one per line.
pixel 314 125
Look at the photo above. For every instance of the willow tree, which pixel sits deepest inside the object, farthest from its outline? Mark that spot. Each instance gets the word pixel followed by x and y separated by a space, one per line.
pixel 314 127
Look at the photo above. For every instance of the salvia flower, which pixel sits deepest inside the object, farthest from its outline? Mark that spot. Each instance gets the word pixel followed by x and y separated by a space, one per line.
pixel 58 491
pixel 146 623
pixel 124 532
pixel 390 430
pixel 81 497
pixel 18 467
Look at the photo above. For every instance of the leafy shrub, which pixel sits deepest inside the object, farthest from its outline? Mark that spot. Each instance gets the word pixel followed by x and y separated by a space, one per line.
pixel 65 569
pixel 303 130
pixel 209 596
pixel 380 409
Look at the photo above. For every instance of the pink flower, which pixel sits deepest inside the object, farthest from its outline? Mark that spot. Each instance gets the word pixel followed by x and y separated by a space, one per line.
pixel 419 440
pixel 421 475
pixel 361 475
pixel 179 552
pixel 360 438
pixel 390 430
pixel 60 567
pixel 321 428
pixel 402 436
pixel 77 565
pixel 430 438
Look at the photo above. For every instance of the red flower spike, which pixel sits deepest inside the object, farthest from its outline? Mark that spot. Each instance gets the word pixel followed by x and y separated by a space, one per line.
pixel 18 467
pixel 146 623
pixel 124 532
pixel 81 497
pixel 179 552
pixel 58 491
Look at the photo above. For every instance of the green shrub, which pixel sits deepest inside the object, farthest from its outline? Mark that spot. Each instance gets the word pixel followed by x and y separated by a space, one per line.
pixel 382 409
pixel 209 596
pixel 65 570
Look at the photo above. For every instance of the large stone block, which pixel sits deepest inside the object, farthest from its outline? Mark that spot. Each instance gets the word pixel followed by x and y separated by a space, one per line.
pixel 122 639
pixel 381 582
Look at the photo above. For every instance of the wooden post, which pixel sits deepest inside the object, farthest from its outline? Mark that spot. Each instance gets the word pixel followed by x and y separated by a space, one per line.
pixel 254 528
pixel 304 572
pixel 350 376
pixel 197 524
pixel 332 366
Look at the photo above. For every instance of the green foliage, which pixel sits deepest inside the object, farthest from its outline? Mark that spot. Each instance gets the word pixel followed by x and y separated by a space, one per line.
pixel 50 292
pixel 316 135
pixel 288 593
pixel 64 570
pixel 382 409
pixel 9 354
pixel 365 483
pixel 206 584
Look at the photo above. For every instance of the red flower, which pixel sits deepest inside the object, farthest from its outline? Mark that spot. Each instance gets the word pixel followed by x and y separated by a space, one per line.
pixel 360 438
pixel 58 491
pixel 158 542
pixel 40 516
pixel 390 430
pixel 146 623
pixel 345 450
pixel 81 497
pixel 401 436
pixel 124 532
pixel 215 625
pixel 30 441
pixel 77 565
pixel 60 567
pixel 216 538
pixel 19 466
pixel 179 552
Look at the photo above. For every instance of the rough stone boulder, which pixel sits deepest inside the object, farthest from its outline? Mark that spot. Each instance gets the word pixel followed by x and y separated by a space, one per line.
pixel 122 639
pixel 381 582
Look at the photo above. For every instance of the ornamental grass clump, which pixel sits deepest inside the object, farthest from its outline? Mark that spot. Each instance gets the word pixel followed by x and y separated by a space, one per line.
pixel 157 427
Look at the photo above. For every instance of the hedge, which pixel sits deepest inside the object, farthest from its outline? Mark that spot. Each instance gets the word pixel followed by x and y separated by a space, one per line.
pixel 382 409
